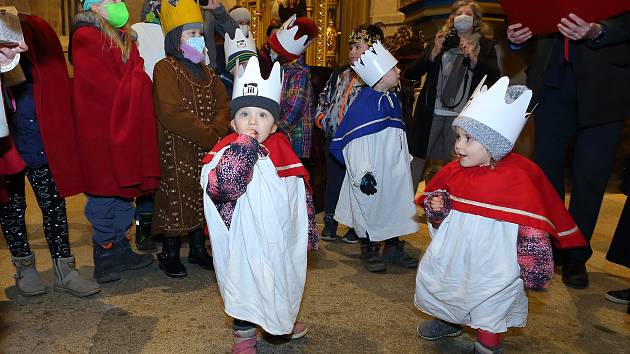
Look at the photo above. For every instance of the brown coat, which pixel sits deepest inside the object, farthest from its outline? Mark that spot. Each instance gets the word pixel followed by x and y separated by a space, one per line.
pixel 192 116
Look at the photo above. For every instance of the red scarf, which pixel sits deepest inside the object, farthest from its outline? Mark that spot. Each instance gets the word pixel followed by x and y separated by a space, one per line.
pixel 280 152
pixel 516 191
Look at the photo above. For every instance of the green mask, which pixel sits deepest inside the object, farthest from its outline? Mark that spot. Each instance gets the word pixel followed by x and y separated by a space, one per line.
pixel 117 14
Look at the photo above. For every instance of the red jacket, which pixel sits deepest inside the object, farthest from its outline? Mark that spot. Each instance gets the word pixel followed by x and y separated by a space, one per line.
pixel 114 118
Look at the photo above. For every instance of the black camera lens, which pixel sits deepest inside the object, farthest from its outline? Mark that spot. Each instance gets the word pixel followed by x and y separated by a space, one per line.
pixel 451 40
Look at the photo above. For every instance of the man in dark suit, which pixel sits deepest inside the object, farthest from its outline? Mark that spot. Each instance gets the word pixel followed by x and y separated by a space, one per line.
pixel 581 82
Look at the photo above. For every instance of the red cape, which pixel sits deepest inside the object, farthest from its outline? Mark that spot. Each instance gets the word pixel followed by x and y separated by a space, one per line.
pixel 114 118
pixel 516 191
pixel 280 151
pixel 52 97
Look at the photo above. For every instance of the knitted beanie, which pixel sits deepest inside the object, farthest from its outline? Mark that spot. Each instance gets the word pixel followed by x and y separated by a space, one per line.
pixel 306 26
pixel 255 101
pixel 497 145
pixel 240 14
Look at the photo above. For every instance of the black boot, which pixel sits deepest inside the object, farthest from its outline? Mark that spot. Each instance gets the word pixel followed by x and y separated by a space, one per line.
pixel 374 263
pixel 127 259
pixel 105 265
pixel 394 253
pixel 169 259
pixel 144 239
pixel 198 253
pixel 329 232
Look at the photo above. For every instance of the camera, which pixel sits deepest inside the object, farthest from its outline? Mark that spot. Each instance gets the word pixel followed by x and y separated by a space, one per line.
pixel 451 40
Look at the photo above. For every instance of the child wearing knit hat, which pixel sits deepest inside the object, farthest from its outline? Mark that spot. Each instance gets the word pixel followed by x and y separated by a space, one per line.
pixel 260 215
pixel 490 215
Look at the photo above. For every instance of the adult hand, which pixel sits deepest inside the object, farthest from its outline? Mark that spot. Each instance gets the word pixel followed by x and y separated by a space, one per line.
pixel 577 29
pixel 368 184
pixel 470 50
pixel 7 54
pixel 438 44
pixel 518 34
pixel 436 203
pixel 212 5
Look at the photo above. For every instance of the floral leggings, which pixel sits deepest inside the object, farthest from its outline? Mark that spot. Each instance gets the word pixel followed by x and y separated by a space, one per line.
pixel 53 206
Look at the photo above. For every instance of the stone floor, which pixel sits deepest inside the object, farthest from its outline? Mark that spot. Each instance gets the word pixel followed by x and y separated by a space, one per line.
pixel 347 309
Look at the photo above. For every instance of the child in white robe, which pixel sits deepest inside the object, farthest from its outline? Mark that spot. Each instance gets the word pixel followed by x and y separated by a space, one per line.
pixel 260 214
pixel 491 213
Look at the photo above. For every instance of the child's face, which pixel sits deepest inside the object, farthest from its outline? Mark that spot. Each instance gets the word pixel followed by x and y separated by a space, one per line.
pixel 469 151
pixel 255 122
pixel 391 79
pixel 356 50
pixel 190 33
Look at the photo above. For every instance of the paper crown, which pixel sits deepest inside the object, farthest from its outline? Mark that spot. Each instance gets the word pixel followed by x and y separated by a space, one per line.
pixel 488 106
pixel 374 63
pixel 286 37
pixel 181 13
pixel 241 47
pixel 249 82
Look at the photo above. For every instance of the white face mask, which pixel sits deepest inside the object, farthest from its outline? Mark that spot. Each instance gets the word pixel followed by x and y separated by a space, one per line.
pixel 463 23
pixel 244 28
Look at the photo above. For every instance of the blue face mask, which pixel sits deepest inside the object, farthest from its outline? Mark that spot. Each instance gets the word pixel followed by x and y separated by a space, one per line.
pixel 197 42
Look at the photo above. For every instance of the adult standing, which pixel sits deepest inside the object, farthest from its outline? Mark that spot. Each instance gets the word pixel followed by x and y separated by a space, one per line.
pixel 572 73
pixel 455 62
pixel 215 19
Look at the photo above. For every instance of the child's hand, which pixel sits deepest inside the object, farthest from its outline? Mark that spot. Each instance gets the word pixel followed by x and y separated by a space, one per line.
pixel 437 203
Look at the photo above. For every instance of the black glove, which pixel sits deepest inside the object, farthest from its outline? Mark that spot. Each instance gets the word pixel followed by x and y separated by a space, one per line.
pixel 368 184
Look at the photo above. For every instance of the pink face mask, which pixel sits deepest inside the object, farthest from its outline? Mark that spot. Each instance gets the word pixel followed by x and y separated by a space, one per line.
pixel 189 52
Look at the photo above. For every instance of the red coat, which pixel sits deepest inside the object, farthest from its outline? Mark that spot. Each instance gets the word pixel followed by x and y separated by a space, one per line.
pixel 114 117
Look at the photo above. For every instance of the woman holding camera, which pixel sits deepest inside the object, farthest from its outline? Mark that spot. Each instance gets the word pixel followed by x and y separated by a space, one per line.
pixel 455 62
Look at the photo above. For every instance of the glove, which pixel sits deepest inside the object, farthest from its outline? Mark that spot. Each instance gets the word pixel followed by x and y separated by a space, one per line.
pixel 368 184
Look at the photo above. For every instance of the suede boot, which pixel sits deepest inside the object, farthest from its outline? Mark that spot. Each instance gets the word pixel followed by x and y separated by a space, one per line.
pixel 105 267
pixel 68 279
pixel 198 253
pixel 169 259
pixel 127 259
pixel 144 239
pixel 27 279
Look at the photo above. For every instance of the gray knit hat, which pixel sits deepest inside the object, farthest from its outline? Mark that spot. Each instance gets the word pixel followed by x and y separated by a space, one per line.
pixel 497 145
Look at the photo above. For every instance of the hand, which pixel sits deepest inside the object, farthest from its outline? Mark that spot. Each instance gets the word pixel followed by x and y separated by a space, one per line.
pixel 577 29
pixel 212 5
pixel 438 44
pixel 368 184
pixel 470 50
pixel 7 54
pixel 518 34
pixel 437 203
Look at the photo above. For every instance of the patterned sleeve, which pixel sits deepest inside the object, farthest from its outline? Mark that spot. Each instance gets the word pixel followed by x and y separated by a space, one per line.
pixel 293 103
pixel 437 216
pixel 324 102
pixel 229 179
pixel 535 257
pixel 313 239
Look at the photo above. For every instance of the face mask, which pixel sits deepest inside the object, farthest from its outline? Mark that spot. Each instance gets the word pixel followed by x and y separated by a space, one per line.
pixel 193 48
pixel 117 14
pixel 244 28
pixel 463 23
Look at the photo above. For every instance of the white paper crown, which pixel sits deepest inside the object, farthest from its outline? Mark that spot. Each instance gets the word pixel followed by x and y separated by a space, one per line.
pixel 249 82
pixel 286 36
pixel 239 43
pixel 488 106
pixel 374 63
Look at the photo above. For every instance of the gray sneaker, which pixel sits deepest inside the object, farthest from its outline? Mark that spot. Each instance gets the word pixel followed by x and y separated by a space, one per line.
pixel 436 328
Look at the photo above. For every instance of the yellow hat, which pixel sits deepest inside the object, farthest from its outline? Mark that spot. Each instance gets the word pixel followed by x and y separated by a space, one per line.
pixel 184 12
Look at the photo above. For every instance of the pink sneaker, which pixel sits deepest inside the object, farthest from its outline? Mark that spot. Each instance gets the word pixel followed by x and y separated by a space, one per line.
pixel 299 330
pixel 244 344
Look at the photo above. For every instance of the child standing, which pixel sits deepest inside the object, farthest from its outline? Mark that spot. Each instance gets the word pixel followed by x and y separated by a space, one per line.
pixel 376 197
pixel 191 106
pixel 491 214
pixel 260 214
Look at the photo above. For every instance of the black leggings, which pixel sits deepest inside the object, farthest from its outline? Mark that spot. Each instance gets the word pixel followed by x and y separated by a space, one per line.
pixel 12 213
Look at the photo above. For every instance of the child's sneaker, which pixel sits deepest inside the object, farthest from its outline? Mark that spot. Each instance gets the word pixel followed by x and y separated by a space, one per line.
pixel 299 330
pixel 350 237
pixel 329 232
pixel 244 341
pixel 436 328
pixel 482 349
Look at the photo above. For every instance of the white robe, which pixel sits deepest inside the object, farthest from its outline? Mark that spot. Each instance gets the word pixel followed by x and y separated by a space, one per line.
pixel 150 44
pixel 470 274
pixel 390 212
pixel 260 262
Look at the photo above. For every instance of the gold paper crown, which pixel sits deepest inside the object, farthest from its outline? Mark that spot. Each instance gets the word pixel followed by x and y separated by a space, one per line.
pixel 364 37
pixel 183 12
